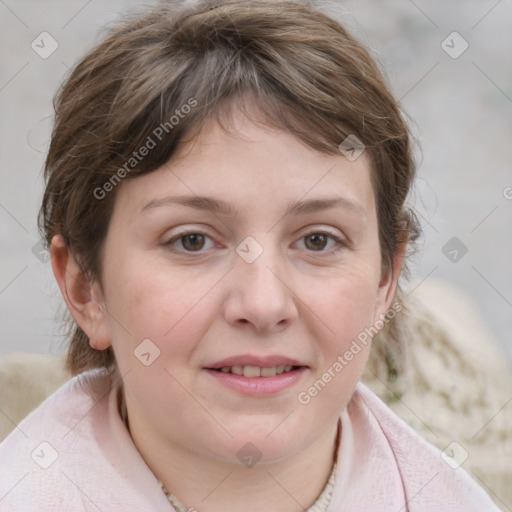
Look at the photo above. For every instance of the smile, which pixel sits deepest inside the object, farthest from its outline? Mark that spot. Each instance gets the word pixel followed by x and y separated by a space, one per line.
pixel 255 381
pixel 256 371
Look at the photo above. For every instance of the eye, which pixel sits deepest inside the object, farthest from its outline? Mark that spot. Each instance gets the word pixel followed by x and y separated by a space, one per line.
pixel 191 241
pixel 318 241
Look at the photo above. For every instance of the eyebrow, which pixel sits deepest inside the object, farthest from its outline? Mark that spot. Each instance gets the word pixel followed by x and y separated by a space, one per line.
pixel 300 207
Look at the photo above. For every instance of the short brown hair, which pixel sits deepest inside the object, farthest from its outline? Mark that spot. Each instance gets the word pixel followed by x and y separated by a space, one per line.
pixel 305 72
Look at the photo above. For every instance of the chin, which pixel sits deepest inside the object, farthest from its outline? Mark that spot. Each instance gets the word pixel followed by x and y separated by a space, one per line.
pixel 260 441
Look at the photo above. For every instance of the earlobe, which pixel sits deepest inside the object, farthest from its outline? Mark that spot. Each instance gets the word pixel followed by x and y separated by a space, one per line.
pixel 82 298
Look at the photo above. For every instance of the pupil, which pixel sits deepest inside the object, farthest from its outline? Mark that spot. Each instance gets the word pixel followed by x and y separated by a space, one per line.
pixel 318 241
pixel 193 241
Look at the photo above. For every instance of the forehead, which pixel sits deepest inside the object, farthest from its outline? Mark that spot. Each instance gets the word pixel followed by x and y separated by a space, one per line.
pixel 255 167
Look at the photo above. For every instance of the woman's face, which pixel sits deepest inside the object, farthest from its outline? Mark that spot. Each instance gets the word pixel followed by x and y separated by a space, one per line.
pixel 243 258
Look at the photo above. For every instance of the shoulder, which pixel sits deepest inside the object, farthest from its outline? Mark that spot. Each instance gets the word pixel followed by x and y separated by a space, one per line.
pixel 74 453
pixel 29 455
pixel 432 479
pixel 59 413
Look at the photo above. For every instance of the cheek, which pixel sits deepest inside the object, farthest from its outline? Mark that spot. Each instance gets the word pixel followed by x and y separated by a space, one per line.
pixel 149 301
pixel 345 305
pixel 345 309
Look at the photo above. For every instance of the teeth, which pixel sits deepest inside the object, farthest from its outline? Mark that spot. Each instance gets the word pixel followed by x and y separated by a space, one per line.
pixel 237 370
pixel 252 371
pixel 268 372
pixel 255 371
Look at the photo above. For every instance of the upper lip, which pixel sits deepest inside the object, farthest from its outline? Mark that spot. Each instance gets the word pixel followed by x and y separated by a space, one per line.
pixel 258 361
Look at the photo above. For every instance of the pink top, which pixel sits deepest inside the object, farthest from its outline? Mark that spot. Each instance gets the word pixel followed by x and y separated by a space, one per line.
pixel 74 453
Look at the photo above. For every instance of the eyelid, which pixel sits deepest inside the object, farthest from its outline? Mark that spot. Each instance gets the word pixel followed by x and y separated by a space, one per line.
pixel 187 231
pixel 320 230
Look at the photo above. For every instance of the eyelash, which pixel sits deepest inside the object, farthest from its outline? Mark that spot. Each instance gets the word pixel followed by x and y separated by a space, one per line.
pixel 342 244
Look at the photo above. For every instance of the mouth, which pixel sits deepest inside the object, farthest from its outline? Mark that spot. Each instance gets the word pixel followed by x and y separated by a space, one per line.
pixel 256 371
pixel 257 376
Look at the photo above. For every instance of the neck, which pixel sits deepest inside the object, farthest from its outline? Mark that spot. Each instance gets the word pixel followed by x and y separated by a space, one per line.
pixel 205 484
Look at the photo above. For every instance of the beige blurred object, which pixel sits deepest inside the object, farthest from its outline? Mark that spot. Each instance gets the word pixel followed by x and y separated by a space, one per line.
pixel 26 379
pixel 456 386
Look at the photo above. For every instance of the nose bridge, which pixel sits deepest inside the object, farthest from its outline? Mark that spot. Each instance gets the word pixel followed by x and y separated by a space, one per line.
pixel 258 264
pixel 259 294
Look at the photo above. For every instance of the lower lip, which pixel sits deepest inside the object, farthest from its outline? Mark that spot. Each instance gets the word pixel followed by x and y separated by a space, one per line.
pixel 258 386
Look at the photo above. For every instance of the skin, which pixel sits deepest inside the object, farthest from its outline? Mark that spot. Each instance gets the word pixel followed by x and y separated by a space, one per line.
pixel 299 299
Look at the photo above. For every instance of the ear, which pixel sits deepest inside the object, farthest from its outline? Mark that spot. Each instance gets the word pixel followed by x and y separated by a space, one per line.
pixel 389 282
pixel 83 299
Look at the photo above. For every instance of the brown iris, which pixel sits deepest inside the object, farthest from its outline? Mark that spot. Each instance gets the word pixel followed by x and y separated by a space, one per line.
pixel 318 241
pixel 193 241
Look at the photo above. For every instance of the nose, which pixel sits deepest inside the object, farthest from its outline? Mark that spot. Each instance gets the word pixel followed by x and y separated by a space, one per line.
pixel 260 294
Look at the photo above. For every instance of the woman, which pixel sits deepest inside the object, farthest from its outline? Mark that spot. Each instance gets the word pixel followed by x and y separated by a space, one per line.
pixel 225 211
